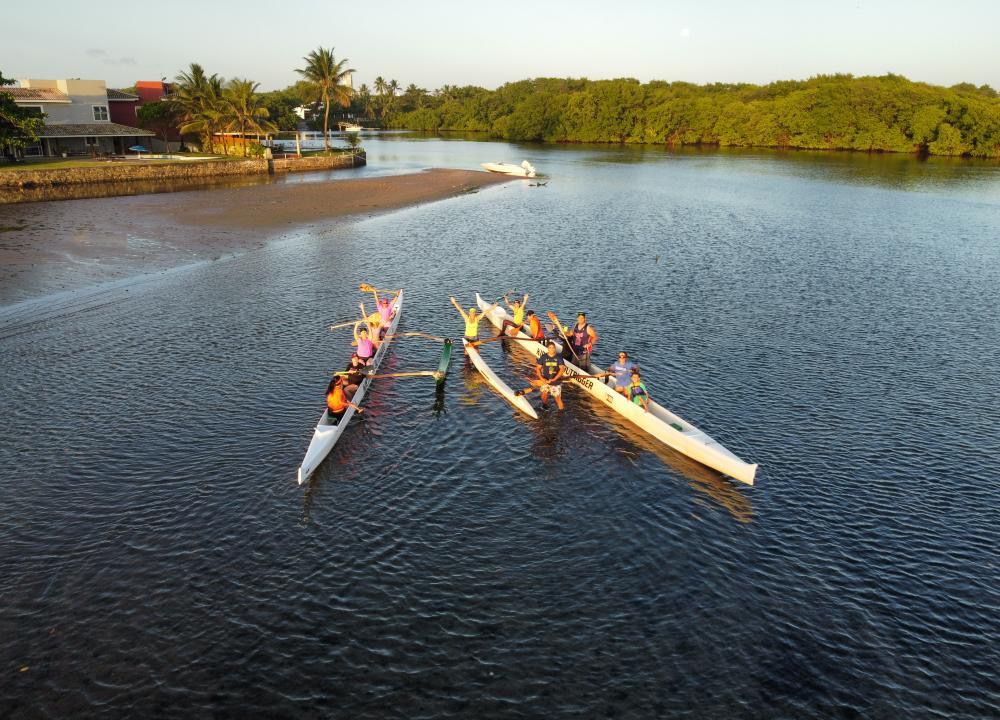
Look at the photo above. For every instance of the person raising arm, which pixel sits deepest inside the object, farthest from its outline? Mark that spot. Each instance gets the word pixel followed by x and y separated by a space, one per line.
pixel 471 320
pixel 517 308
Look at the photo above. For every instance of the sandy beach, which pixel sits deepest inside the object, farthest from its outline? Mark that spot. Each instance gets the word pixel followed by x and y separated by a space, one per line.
pixel 52 246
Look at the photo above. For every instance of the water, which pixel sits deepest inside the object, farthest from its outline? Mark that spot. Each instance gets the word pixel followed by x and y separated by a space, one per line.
pixel 831 317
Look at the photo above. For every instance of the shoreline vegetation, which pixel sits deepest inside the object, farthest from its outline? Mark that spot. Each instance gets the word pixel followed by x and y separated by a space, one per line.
pixel 888 114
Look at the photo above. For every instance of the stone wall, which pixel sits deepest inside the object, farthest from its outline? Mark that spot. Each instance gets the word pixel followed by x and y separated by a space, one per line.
pixel 305 164
pixel 136 177
pixel 128 172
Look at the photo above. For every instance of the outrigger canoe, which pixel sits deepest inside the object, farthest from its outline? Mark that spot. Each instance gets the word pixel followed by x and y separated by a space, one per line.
pixel 326 434
pixel 670 429
pixel 518 401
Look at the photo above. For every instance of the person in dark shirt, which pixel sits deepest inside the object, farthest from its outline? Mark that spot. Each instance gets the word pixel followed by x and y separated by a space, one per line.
pixel 355 374
pixel 549 370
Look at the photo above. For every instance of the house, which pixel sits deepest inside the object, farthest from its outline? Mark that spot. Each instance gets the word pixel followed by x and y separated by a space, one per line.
pixel 124 108
pixel 78 117
pixel 150 91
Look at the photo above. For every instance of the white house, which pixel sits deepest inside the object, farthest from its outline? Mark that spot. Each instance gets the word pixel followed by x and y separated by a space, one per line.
pixel 77 117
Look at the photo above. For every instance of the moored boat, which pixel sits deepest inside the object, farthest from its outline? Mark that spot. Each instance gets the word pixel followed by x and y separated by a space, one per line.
pixel 667 427
pixel 525 169
pixel 326 434
pixel 497 384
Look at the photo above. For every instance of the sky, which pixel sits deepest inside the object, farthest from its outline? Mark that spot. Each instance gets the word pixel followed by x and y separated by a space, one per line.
pixel 490 43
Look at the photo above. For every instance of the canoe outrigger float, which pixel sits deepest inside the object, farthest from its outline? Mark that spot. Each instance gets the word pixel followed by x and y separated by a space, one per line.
pixel 494 380
pixel 326 435
pixel 665 426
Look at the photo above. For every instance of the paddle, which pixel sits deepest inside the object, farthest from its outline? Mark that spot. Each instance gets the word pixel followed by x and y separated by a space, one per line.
pixel 528 391
pixel 422 373
pixel 343 325
pixel 419 373
pixel 495 338
pixel 365 287
pixel 552 316
pixel 435 338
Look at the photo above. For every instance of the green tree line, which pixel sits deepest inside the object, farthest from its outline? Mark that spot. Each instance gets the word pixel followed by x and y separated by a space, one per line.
pixel 888 113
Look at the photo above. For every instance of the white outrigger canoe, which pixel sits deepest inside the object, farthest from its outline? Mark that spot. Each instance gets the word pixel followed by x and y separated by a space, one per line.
pixel 325 436
pixel 525 169
pixel 518 401
pixel 665 426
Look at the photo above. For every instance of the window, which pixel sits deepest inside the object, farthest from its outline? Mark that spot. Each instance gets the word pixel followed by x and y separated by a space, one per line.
pixel 35 110
pixel 90 141
pixel 101 113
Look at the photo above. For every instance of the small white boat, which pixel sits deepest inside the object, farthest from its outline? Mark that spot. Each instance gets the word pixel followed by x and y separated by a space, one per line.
pixel 525 169
pixel 518 401
pixel 665 426
pixel 352 128
pixel 325 436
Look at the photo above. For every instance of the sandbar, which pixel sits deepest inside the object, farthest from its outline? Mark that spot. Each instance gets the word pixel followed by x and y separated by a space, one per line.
pixel 61 245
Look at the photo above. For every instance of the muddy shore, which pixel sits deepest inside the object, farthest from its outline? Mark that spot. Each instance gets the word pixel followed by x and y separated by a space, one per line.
pixel 52 246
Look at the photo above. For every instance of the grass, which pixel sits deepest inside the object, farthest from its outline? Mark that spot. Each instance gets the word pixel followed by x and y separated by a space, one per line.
pixel 61 163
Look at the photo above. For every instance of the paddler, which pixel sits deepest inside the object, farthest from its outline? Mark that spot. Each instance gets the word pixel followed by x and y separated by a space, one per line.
pixel 582 337
pixel 517 308
pixel 376 328
pixel 354 375
pixel 549 369
pixel 471 320
pixel 336 399
pixel 535 331
pixel 366 348
pixel 637 392
pixel 623 368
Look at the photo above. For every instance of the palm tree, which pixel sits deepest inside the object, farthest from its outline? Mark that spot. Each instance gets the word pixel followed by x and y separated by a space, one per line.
pixel 199 97
pixel 380 89
pixel 391 89
pixel 365 100
pixel 414 96
pixel 326 78
pixel 244 111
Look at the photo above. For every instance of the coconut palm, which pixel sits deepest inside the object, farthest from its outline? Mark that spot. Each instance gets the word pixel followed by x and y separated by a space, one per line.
pixel 244 110
pixel 365 100
pixel 326 78
pixel 391 89
pixel 380 90
pixel 198 97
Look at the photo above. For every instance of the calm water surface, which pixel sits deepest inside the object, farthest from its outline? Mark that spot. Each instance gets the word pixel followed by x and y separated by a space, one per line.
pixel 831 317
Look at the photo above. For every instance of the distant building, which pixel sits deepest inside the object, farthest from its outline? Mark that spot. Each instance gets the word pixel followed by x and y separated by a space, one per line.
pixel 123 107
pixel 78 117
pixel 152 90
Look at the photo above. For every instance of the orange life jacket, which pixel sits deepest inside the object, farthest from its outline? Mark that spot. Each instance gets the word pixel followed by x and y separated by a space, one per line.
pixel 336 401
pixel 535 327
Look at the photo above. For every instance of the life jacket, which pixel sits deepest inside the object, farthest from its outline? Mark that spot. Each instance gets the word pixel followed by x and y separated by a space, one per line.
pixel 336 401
pixel 519 315
pixel 472 328
pixel 579 337
pixel 535 328
pixel 637 391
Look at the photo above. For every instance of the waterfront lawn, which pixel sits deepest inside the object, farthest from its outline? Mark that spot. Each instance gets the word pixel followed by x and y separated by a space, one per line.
pixel 62 163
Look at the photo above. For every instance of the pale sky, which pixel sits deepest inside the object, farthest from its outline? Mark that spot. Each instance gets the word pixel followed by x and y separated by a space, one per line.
pixel 489 43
